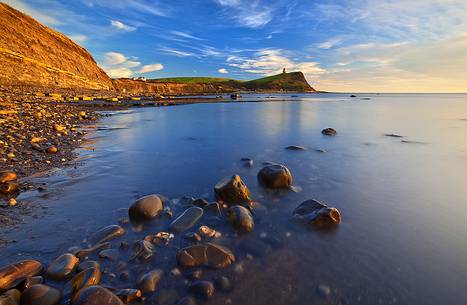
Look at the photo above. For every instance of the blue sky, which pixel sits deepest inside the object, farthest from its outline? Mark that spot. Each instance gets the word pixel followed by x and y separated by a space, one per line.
pixel 359 45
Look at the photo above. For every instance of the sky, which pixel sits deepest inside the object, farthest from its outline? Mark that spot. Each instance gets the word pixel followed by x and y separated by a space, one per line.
pixel 340 46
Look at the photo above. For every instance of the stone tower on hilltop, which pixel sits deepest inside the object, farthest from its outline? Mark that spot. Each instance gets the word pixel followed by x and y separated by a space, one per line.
pixel 283 71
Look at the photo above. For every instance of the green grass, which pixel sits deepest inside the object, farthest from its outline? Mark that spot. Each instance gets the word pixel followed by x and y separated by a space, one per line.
pixel 191 80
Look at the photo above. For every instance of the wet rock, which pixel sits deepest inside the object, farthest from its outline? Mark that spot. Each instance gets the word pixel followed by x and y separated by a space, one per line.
pixel 223 283
pixel 12 202
pixel 240 218
pixel 52 150
pixel 247 162
pixel 148 282
pixel 202 289
pixel 187 200
pixel 187 301
pixel 125 275
pixel 41 294
pixel 10 297
pixel 275 176
pixel 110 254
pixel 146 208
pixel 9 187
pixel 323 291
pixel 317 214
pixel 192 236
pixel 88 264
pixel 7 176
pixel 205 255
pixel 194 274
pixel 144 251
pixel 128 295
pixel 88 277
pixel 30 281
pixel 257 248
pixel 161 238
pixel 295 147
pixel 329 132
pixel 214 208
pixel 187 219
pixel 95 295
pixel 106 234
pixel 206 231
pixel 62 266
pixel 13 274
pixel 232 190
pixel 86 252
pixel 200 202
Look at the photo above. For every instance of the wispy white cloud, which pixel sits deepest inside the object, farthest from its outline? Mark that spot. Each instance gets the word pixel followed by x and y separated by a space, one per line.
pixel 175 52
pixel 247 13
pixel 151 68
pixel 117 65
pixel 329 43
pixel 134 6
pixel 223 71
pixel 186 35
pixel 121 26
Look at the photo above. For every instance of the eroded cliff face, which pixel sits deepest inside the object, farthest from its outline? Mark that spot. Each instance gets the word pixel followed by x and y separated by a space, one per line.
pixel 130 86
pixel 32 54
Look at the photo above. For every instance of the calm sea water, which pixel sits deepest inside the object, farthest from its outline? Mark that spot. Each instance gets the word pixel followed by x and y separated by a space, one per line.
pixel 403 201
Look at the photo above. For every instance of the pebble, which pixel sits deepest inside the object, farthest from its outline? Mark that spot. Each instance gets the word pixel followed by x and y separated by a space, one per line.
pixel 329 132
pixel 317 214
pixel 202 289
pixel 224 284
pixel 89 277
pixel 88 264
pixel 232 190
pixel 207 255
pixel 148 282
pixel 186 220
pixel 105 234
pixel 95 295
pixel 240 218
pixel 12 202
pixel 62 266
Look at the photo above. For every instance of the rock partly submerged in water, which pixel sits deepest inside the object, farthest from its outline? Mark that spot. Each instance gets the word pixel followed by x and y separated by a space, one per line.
pixel 317 214
pixel 240 218
pixel 275 176
pixel 232 190
pixel 41 294
pixel 329 132
pixel 148 282
pixel 106 234
pixel 295 147
pixel 187 219
pixel 202 289
pixel 13 274
pixel 88 277
pixel 146 208
pixel 205 255
pixel 62 267
pixel 10 297
pixel 95 295
pixel 9 187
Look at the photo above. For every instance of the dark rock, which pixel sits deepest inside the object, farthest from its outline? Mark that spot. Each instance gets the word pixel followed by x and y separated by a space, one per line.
pixel 88 277
pixel 392 135
pixel 329 132
pixel 186 200
pixel 125 275
pixel 323 291
pixel 352 96
pixel 110 254
pixel 223 283
pixel 213 208
pixel 255 247
pixel 200 202
pixel 187 301
pixel 247 162
pixel 144 250
pixel 202 289
pixel 232 190
pixel 41 294
pixel 148 282
pixel 317 214
pixel 106 234
pixel 205 255
pixel 240 218
pixel 62 267
pixel 194 274
pixel 95 295
pixel 87 264
pixel 13 274
pixel 275 176
pixel 28 282
pixel 295 147
pixel 192 236
pixel 128 295
pixel 10 297
pixel 9 187
pixel 187 219
pixel 85 252
pixel 146 208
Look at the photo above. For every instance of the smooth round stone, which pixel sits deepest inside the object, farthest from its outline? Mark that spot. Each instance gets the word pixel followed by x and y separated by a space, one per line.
pixel 148 281
pixel 28 282
pixel 275 176
pixel 205 255
pixel 13 274
pixel 9 187
pixel 224 284
pixel 240 218
pixel 295 147
pixel 146 208
pixel 329 132
pixel 10 297
pixel 232 190
pixel 202 289
pixel 7 176
pixel 95 295
pixel 317 214
pixel 187 301
pixel 62 267
pixel 106 234
pixel 88 264
pixel 128 295
pixel 110 254
pixel 186 220
pixel 41 294
pixel 88 277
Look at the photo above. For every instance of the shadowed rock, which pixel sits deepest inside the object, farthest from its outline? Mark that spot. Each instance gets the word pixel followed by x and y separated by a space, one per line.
pixel 95 295
pixel 146 208
pixel 106 234
pixel 41 294
pixel 329 132
pixel 317 214
pixel 128 295
pixel 10 297
pixel 88 277
pixel 202 289
pixel 295 147
pixel 62 266
pixel 240 218
pixel 232 190
pixel 186 220
pixel 7 176
pixel 13 274
pixel 205 255
pixel 148 282
pixel 275 176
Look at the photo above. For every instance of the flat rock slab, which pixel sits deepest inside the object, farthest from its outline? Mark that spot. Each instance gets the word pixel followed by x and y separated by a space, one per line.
pixel 205 255
pixel 186 220
pixel 106 234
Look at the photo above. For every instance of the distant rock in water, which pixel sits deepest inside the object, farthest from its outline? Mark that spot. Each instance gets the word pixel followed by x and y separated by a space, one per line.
pixel 393 135
pixel 317 214
pixel 34 55
pixel 329 132
pixel 275 176
pixel 295 147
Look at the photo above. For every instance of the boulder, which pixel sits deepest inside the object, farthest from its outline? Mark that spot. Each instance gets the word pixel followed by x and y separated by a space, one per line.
pixel 106 234
pixel 232 190
pixel 41 294
pixel 148 282
pixel 275 176
pixel 240 218
pixel 88 277
pixel 7 176
pixel 317 214
pixel 146 208
pixel 13 274
pixel 95 295
pixel 205 255
pixel 62 267
pixel 186 220
pixel 329 132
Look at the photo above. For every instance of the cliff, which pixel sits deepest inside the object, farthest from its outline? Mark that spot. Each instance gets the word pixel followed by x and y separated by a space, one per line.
pixel 32 54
